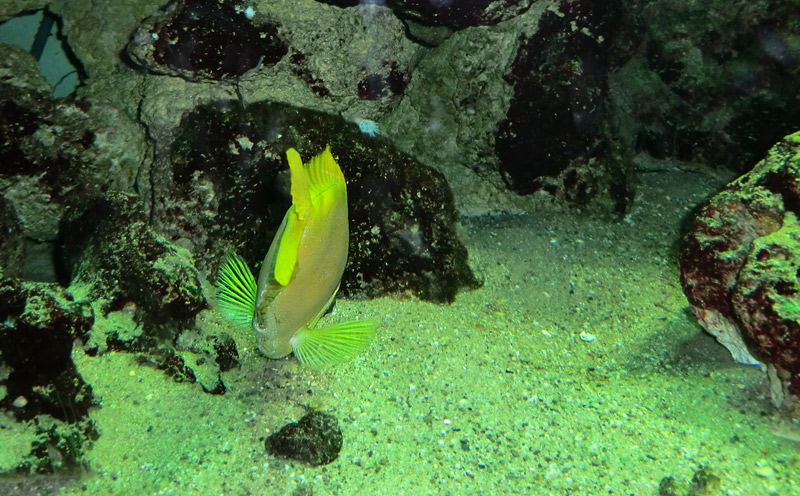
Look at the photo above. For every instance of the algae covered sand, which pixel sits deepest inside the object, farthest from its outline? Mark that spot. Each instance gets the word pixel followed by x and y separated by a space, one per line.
pixel 575 369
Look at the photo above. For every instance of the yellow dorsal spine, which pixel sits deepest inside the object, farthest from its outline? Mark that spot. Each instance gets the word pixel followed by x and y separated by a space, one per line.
pixel 301 196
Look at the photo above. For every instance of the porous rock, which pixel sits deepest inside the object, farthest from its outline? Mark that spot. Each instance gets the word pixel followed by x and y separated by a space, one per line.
pixel 555 135
pixel 110 254
pixel 12 256
pixel 713 83
pixel 315 439
pixel 459 14
pixel 38 324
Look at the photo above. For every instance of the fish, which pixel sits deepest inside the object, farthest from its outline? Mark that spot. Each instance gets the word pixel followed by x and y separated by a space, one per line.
pixel 300 275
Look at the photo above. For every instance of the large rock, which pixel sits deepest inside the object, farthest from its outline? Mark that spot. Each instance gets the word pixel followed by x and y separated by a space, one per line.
pixel 459 14
pixel 197 39
pixel 713 82
pixel 39 384
pixel 555 135
pixel 741 263
pixel 54 153
pixel 229 190
pixel 111 256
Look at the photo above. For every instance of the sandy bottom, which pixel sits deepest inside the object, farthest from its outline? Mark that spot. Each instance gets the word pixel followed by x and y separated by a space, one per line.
pixel 575 370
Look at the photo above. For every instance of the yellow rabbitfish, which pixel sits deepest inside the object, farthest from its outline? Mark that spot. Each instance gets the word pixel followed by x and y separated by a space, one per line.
pixel 300 274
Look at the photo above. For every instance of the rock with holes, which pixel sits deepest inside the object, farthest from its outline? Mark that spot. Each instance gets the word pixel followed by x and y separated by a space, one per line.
pixel 54 154
pixel 555 135
pixel 113 257
pixel 460 14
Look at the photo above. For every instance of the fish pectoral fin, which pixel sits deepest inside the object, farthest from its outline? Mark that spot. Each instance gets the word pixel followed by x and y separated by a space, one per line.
pixel 236 299
pixel 338 343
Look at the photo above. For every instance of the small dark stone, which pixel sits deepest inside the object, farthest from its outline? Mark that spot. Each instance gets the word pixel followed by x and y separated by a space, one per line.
pixel 226 352
pixel 316 439
pixel 704 483
pixel 668 487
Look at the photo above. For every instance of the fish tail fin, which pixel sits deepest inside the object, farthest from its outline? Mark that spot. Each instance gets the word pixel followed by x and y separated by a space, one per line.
pixel 338 343
pixel 236 299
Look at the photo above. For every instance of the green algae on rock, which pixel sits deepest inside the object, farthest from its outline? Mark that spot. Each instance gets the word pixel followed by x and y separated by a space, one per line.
pixel 41 387
pixel 740 265
pixel 110 249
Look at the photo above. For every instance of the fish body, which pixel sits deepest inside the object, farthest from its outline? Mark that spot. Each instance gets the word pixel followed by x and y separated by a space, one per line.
pixel 300 274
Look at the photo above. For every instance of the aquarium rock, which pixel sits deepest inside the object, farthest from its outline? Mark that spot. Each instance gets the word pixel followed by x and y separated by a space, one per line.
pixel 12 256
pixel 459 15
pixel 58 152
pixel 113 256
pixel 196 40
pixel 40 386
pixel 697 92
pixel 38 324
pixel 740 264
pixel 554 135
pixel 315 439
pixel 229 188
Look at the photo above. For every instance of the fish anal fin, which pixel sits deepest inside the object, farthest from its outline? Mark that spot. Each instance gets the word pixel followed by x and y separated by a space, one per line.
pixel 327 346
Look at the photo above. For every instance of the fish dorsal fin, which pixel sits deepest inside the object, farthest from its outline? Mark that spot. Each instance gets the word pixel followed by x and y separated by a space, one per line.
pixel 309 182
pixel 323 173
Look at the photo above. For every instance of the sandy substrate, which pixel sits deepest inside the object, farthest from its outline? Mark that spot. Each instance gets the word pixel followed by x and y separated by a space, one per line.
pixel 575 370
